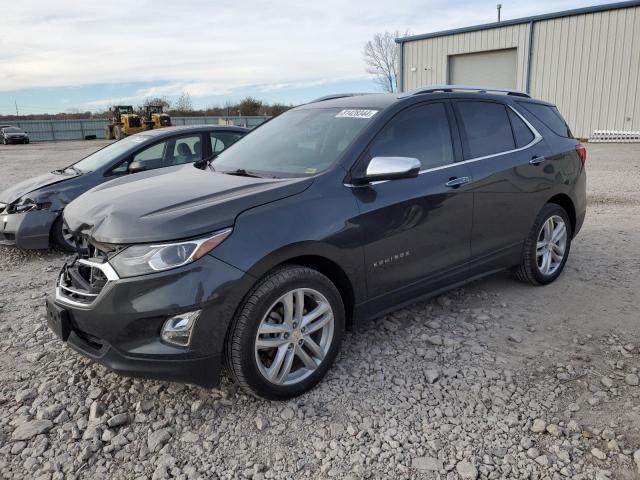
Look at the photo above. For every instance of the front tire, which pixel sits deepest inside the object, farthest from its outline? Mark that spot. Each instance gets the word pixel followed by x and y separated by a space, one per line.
pixel 286 334
pixel 61 237
pixel 547 247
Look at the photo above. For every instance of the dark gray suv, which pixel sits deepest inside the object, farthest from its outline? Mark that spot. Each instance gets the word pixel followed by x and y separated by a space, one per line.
pixel 330 214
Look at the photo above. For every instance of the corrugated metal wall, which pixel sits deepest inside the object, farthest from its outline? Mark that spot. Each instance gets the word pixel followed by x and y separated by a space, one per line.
pixel 425 61
pixel 587 64
pixel 53 130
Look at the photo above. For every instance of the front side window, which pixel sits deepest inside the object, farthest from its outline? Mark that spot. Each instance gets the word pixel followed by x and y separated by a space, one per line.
pixel 485 127
pixel 296 143
pixel 420 132
pixel 185 150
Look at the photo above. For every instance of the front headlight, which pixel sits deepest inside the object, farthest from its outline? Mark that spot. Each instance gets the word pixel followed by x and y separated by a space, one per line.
pixel 26 205
pixel 144 259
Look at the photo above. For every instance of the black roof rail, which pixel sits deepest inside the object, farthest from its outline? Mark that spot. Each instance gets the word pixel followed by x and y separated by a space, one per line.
pixel 336 95
pixel 463 88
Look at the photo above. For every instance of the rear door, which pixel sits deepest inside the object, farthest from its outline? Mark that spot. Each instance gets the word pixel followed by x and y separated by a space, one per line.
pixel 505 155
pixel 419 228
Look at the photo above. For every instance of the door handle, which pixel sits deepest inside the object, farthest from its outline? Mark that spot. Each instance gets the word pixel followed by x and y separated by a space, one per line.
pixel 537 160
pixel 456 182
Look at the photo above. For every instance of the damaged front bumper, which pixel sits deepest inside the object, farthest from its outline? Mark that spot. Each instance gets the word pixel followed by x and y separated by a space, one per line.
pixel 27 230
pixel 117 322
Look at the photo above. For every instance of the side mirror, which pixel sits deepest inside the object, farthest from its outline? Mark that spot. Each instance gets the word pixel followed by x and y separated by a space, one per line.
pixel 135 167
pixel 389 168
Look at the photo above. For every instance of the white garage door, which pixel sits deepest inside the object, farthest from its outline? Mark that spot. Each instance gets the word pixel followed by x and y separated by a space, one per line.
pixel 496 68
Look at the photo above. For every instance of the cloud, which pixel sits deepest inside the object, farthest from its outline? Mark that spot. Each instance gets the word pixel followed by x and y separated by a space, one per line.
pixel 210 48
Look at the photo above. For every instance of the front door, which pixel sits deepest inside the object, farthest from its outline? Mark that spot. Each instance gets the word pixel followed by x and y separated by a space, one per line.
pixel 419 228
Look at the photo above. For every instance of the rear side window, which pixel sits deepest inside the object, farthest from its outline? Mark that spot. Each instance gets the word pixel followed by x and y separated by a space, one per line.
pixel 522 133
pixel 421 132
pixel 486 129
pixel 550 116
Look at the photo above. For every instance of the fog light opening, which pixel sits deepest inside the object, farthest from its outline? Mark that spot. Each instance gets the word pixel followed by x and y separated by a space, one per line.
pixel 177 329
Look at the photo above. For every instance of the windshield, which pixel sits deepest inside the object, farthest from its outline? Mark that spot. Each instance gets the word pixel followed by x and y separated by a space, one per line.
pixel 104 156
pixel 297 143
pixel 12 130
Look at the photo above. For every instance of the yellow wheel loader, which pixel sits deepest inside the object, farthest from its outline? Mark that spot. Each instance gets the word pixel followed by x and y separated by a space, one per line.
pixel 155 117
pixel 123 122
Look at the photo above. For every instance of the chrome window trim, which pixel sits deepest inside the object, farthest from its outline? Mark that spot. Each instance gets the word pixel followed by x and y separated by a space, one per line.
pixel 536 139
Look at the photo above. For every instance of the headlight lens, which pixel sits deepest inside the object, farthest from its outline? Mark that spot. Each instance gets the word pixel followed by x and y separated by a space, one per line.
pixel 26 205
pixel 144 259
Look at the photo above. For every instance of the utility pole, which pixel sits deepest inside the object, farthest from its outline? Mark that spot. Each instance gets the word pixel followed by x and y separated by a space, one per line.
pixel 17 112
pixel 499 7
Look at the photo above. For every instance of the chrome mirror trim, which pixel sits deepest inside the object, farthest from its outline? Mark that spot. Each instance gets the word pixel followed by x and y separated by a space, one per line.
pixel 382 166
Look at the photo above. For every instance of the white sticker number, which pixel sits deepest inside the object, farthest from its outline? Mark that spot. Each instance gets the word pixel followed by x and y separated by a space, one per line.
pixel 356 113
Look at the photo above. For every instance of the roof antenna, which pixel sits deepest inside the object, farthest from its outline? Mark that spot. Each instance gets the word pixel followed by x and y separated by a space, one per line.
pixel 499 7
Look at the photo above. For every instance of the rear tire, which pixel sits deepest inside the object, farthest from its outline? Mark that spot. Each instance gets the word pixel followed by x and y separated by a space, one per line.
pixel 286 333
pixel 547 247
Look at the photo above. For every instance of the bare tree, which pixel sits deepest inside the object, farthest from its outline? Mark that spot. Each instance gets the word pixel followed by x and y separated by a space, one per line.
pixel 164 101
pixel 183 104
pixel 381 57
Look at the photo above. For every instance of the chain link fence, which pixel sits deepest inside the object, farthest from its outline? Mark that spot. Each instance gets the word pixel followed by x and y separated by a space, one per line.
pixel 54 130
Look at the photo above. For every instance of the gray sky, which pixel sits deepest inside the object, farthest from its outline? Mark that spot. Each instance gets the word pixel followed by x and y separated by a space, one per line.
pixel 58 53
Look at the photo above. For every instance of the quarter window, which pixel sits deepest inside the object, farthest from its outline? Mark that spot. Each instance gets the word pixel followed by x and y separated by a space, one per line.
pixel 486 128
pixel 522 134
pixel 421 132
pixel 550 116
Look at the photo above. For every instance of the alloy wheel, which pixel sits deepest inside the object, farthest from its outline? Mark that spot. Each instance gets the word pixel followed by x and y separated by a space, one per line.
pixel 67 236
pixel 294 336
pixel 551 245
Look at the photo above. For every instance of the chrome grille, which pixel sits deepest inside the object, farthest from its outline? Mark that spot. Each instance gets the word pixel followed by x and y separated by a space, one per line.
pixel 81 282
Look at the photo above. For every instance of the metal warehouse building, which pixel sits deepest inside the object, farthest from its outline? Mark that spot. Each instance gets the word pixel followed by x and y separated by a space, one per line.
pixel 586 61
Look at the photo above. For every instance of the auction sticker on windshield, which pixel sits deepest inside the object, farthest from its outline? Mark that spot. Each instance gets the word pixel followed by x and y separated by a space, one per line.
pixel 356 113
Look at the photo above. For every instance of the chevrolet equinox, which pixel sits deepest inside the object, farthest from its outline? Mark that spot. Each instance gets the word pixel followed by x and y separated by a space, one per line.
pixel 336 211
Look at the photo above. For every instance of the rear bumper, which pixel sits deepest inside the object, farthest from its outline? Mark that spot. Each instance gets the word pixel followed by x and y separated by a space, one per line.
pixel 27 230
pixel 121 328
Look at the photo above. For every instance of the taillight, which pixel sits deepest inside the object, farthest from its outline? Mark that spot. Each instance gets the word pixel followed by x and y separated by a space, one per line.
pixel 582 153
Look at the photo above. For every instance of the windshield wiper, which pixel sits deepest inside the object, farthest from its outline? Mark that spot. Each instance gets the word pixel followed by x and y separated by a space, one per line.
pixel 241 172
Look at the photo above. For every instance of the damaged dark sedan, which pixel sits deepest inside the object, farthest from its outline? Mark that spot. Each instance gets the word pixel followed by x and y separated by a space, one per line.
pixel 30 211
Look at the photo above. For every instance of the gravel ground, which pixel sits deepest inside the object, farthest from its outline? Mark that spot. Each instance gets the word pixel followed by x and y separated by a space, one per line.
pixel 495 380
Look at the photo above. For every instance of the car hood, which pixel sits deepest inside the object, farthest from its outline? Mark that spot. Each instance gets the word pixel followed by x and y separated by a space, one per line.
pixel 18 190
pixel 15 134
pixel 170 204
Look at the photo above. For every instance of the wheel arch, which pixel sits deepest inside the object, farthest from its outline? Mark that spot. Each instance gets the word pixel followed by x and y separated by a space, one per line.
pixel 336 265
pixel 564 200
pixel 336 274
